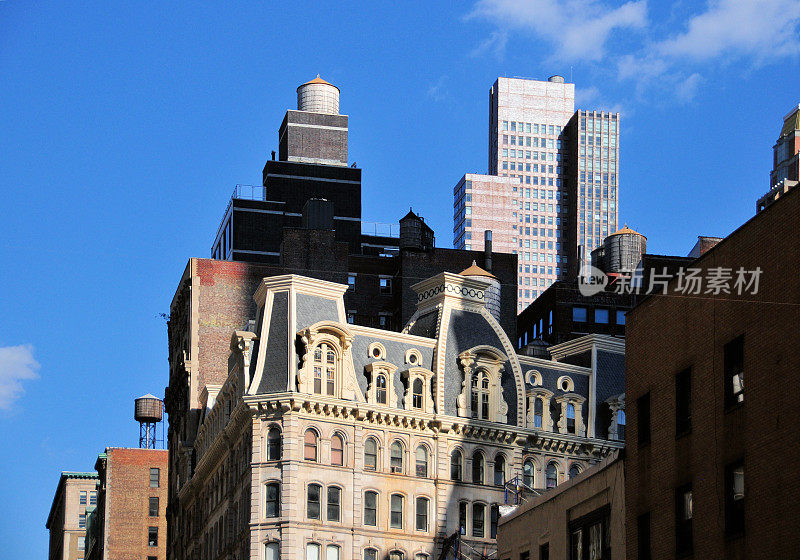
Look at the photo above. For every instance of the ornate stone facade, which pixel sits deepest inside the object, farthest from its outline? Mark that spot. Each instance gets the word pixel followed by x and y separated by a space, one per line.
pixel 340 441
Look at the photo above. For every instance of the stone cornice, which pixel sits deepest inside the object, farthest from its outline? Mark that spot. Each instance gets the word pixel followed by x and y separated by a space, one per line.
pixel 302 284
pixel 379 335
pixel 586 343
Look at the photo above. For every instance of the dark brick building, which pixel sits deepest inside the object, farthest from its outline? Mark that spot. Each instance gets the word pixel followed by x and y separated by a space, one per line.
pixel 711 378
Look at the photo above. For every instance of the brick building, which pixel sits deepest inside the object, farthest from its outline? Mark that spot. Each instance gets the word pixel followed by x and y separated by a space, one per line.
pixel 294 433
pixel 711 466
pixel 130 518
pixel 76 492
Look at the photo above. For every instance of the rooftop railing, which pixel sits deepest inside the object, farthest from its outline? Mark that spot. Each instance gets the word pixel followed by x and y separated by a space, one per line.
pixel 381 229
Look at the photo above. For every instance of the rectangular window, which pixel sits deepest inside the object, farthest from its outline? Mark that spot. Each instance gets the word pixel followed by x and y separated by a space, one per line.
pixel 154 477
pixel 386 284
pixel 643 536
pixel 371 508
pixel 579 314
pixel 82 500
pixel 462 517
pixel 734 498
pixel 478 514
pixel 643 419
pixel 272 500
pixel 734 371
pixel 351 281
pixel 153 506
pixel 544 551
pixel 422 514
pixel 81 543
pixel 152 536
pixel 334 500
pixel 683 402
pixel 620 317
pixel 82 521
pixel 683 520
pixel 601 315
pixel 396 513
pixel 313 504
pixel 92 498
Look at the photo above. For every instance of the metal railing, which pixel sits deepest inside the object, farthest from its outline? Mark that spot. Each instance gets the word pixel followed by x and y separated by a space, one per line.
pixel 381 229
pixel 249 192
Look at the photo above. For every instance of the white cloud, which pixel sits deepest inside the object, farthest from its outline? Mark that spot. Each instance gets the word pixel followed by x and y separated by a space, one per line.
pixel 686 89
pixel 584 96
pixel 495 43
pixel 759 28
pixel 438 91
pixel 16 364
pixel 579 29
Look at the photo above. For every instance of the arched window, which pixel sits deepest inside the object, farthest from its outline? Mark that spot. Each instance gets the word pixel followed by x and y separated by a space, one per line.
pixel 272 498
pixel 456 465
pixel 462 517
pixel 334 503
pixel 396 457
pixel 538 412
pixel 380 384
pixel 370 554
pixel 272 551
pixel 571 418
pixel 528 473
pixel 574 471
pixel 332 552
pixel 420 556
pixel 477 468
pixel 396 555
pixel 621 424
pixel 310 446
pixel 422 514
pixel 312 551
pixel 479 398
pixel 396 511
pixel 337 450
pixel 371 454
pixel 551 476
pixel 494 518
pixel 314 501
pixel 422 461
pixel 324 369
pixel 371 508
pixel 499 470
pixel 478 520
pixel 418 388
pixel 273 444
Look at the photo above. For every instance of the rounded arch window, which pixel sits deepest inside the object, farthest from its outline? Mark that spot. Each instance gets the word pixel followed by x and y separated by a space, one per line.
pixel 551 475
pixel 528 473
pixel 418 388
pixel 538 412
pixel 371 454
pixel 310 445
pixel 566 384
pixel 499 470
pixel 337 450
pixel 421 457
pixel 273 444
pixel 324 369
pixel 380 388
pixel 456 465
pixel 571 418
pixel 479 395
pixel 574 470
pixel 477 468
pixel 396 457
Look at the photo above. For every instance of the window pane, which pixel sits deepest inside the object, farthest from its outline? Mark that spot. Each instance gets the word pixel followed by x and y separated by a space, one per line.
pixel 154 477
pixel 370 554
pixel 312 551
pixel 455 465
pixel 422 514
pixel 337 450
pixel 334 497
pixel 371 455
pixel 153 506
pixel 478 512
pixel 371 508
pixel 332 552
pixel 396 521
pixel 313 501
pixel 397 457
pixel 273 444
pixel 310 447
pixel 272 551
pixel 422 462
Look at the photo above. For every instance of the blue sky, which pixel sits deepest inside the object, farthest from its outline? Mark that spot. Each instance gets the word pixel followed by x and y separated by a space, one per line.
pixel 125 127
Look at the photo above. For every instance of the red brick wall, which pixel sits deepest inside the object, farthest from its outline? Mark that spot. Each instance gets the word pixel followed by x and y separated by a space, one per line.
pixel 127 503
pixel 669 333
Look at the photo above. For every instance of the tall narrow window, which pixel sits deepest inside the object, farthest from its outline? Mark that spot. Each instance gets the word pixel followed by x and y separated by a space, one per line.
pixel 528 473
pixel 312 551
pixel 551 476
pixel 370 554
pixel 474 396
pixel 396 457
pixel 422 514
pixel 643 419
pixel 484 396
pixel 538 412
pixel 570 418
pixel 422 461
pixel 734 498
pixel 380 388
pixel 370 508
pixel 371 454
pixel 417 390
pixel 273 444
pixel 478 518
pixel 396 511
pixel 152 536
pixel 734 371
pixel 310 446
pixel 272 551
pixel 683 520
pixel 330 371
pixel 337 450
pixel 319 367
pixel 456 465
pixel 92 498
pixel 153 506
pixel 334 503
pixel 499 470
pixel 683 402
pixel 477 468
pixel 314 501
pixel 83 498
pixel 332 552
pixel 462 517
pixel 621 425
pixel 272 499
pixel 494 518
pixel 154 477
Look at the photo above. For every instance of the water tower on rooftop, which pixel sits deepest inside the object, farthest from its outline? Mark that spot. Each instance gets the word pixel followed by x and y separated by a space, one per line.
pixel 148 411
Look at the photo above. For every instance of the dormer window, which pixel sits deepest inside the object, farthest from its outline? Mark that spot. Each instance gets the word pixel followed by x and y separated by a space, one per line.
pixel 480 396
pixel 380 388
pixel 326 367
pixel 324 370
pixel 381 383
pixel 417 393
pixel 482 393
